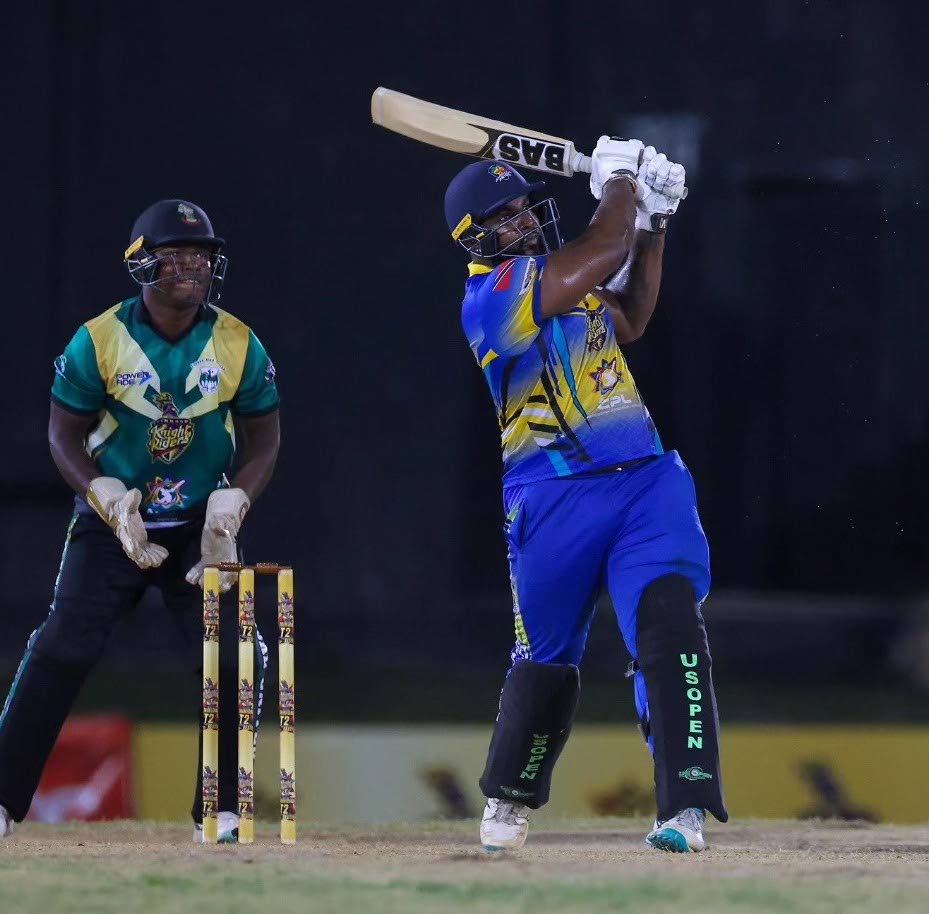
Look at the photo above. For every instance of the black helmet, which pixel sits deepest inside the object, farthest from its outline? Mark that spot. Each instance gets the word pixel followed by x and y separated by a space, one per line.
pixel 170 222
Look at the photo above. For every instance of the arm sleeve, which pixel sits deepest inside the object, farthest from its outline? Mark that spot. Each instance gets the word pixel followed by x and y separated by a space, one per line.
pixel 78 386
pixel 257 393
pixel 505 311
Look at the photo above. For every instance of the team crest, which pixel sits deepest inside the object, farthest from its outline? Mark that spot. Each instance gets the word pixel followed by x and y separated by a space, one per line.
pixel 210 370
pixel 500 173
pixel 596 329
pixel 209 379
pixel 606 377
pixel 188 214
pixel 169 436
pixel 165 494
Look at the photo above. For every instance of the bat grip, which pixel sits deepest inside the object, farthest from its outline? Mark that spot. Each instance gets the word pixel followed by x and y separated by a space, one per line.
pixel 580 162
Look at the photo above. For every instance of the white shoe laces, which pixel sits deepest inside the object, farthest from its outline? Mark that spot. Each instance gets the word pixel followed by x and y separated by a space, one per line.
pixel 507 813
pixel 691 818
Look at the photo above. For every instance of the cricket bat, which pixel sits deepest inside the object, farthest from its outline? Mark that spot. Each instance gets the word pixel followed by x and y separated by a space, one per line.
pixel 475 136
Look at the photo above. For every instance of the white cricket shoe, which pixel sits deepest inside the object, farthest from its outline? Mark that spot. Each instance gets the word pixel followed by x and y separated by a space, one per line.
pixel 504 826
pixel 227 826
pixel 6 822
pixel 680 834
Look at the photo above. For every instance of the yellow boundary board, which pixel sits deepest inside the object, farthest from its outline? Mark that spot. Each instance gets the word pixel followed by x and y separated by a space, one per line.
pixel 378 773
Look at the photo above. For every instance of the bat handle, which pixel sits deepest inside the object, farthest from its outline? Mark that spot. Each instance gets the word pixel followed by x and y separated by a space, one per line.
pixel 580 162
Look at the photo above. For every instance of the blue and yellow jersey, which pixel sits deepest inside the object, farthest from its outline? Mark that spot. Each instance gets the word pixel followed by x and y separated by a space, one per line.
pixel 164 408
pixel 566 401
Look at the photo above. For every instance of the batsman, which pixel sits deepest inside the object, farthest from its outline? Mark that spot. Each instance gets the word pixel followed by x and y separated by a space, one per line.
pixel 147 401
pixel 591 498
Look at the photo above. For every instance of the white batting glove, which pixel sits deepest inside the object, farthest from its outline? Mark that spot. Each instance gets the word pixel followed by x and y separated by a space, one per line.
pixel 119 509
pixel 613 158
pixel 662 175
pixel 225 511
pixel 661 187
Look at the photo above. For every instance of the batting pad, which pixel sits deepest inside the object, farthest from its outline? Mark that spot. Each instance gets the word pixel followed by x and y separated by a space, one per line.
pixel 537 707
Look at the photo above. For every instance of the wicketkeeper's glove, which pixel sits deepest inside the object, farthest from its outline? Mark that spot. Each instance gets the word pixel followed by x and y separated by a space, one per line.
pixel 225 510
pixel 119 509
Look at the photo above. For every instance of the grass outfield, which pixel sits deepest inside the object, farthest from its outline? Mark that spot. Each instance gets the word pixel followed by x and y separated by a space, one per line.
pixel 577 866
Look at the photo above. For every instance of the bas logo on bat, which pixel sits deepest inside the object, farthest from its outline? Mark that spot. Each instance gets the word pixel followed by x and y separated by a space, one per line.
pixel 522 150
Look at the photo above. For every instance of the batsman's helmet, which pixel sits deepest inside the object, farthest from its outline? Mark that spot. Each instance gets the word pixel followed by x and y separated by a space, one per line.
pixel 479 190
pixel 173 222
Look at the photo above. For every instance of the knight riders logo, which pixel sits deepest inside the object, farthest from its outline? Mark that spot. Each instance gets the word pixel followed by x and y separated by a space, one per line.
pixel 169 436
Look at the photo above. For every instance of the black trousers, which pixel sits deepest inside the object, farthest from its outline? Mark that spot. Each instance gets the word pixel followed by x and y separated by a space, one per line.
pixel 98 584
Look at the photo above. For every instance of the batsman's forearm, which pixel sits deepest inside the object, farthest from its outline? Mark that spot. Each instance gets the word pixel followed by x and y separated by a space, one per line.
pixel 635 285
pixel 575 270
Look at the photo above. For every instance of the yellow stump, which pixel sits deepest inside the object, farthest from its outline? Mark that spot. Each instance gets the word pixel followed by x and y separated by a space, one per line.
pixel 286 702
pixel 210 709
pixel 246 693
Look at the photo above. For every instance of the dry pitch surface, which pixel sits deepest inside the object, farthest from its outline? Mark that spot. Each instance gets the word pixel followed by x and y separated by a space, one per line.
pixel 589 866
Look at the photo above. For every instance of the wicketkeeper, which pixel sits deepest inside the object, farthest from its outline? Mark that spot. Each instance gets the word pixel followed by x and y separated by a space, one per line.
pixel 147 401
pixel 591 498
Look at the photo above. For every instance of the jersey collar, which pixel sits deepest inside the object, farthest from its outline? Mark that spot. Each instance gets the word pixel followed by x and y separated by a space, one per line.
pixel 141 314
pixel 475 269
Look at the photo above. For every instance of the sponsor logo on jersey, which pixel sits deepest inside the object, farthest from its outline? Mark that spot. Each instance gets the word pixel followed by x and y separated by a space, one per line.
pixel 128 379
pixel 270 373
pixel 164 494
pixel 169 436
pixel 60 364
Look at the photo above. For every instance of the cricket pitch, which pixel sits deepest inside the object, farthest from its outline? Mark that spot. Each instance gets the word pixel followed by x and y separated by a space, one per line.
pixel 571 866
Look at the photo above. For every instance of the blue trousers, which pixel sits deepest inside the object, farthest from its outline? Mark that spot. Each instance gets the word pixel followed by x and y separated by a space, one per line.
pixel 569 538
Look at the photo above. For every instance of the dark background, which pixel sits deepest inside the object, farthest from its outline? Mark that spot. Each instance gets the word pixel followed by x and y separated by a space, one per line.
pixel 786 360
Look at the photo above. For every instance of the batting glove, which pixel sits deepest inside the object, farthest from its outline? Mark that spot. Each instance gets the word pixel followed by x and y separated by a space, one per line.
pixel 119 509
pixel 661 188
pixel 225 511
pixel 614 158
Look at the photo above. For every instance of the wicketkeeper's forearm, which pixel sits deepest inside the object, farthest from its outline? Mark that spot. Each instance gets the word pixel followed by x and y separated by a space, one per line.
pixel 255 474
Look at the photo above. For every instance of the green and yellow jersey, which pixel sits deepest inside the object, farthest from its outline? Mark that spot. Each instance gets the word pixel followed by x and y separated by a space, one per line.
pixel 164 408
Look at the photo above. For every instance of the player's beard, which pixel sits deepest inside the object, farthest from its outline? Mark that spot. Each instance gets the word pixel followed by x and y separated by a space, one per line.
pixel 532 244
pixel 186 291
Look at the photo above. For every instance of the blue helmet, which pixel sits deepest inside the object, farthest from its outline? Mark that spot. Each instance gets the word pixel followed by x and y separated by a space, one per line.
pixel 481 188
